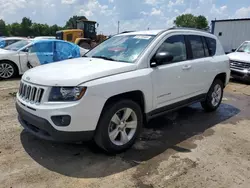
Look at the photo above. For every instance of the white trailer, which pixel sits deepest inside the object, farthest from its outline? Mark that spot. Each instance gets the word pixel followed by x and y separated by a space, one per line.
pixel 231 32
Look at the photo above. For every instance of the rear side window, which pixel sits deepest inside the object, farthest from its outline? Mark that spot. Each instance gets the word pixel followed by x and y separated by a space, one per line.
pixel 196 46
pixel 211 43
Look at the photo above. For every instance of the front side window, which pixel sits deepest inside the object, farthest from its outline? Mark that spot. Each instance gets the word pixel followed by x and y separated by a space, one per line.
pixel 245 47
pixel 196 46
pixel 123 48
pixel 175 46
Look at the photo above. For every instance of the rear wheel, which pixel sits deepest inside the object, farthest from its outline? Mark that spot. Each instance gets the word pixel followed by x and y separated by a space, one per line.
pixel 7 70
pixel 119 125
pixel 214 96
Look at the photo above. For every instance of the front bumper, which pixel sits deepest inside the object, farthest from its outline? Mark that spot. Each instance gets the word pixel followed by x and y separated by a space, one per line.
pixel 43 129
pixel 245 75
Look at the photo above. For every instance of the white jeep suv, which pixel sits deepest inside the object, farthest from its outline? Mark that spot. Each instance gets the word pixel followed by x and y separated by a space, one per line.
pixel 122 83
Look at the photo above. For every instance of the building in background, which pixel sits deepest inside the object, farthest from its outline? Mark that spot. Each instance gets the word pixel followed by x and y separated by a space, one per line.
pixel 231 32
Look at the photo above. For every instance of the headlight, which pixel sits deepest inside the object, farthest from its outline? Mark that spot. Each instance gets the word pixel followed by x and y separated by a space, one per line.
pixel 66 93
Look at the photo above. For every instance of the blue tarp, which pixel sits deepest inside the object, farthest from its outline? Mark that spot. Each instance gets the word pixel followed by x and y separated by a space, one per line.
pixel 2 43
pixel 52 50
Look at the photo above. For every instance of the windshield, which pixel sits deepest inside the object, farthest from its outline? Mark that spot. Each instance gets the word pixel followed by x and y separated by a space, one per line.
pixel 17 45
pixel 245 47
pixel 123 48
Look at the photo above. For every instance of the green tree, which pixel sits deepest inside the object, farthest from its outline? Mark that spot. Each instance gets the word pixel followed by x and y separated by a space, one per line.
pixel 15 29
pixel 71 23
pixel 54 29
pixel 26 27
pixel 3 28
pixel 202 22
pixel 189 20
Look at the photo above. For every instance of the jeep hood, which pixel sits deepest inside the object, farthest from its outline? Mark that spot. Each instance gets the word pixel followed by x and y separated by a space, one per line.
pixel 75 71
pixel 240 56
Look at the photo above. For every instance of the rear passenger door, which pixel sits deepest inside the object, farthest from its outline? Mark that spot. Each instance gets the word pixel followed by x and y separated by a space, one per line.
pixel 201 62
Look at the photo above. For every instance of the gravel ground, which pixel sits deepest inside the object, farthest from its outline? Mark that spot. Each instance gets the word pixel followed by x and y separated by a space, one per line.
pixel 189 148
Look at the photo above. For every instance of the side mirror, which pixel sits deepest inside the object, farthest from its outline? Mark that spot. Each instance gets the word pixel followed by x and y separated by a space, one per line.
pixel 233 50
pixel 161 57
pixel 25 50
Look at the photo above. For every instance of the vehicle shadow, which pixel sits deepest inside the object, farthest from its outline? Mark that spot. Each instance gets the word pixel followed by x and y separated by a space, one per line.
pixel 165 134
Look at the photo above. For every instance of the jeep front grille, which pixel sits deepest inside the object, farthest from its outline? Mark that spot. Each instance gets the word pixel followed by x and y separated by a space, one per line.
pixel 239 65
pixel 30 93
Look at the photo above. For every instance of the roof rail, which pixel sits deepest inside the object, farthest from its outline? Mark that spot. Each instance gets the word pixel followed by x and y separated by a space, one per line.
pixel 126 32
pixel 190 28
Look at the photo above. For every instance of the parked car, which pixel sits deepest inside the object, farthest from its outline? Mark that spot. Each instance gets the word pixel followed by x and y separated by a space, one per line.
pixel 19 57
pixel 6 41
pixel 125 81
pixel 240 61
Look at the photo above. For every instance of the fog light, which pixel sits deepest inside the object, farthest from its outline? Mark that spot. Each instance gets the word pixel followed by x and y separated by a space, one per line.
pixel 61 121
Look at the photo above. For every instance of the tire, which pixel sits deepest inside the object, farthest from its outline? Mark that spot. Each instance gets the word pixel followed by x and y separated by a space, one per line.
pixel 7 70
pixel 213 99
pixel 107 128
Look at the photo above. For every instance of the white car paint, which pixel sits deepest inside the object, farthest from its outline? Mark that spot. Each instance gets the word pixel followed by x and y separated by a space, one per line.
pixel 240 63
pixel 161 86
pixel 21 57
pixel 240 56
pixel 44 37
pixel 86 70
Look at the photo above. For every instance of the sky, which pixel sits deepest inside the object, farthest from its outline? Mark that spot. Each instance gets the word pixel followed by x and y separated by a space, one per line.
pixel 132 14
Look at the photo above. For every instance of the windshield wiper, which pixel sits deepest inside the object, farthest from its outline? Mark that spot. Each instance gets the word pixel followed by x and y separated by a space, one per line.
pixel 103 57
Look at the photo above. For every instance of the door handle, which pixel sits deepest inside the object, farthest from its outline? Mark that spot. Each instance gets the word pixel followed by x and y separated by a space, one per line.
pixel 186 67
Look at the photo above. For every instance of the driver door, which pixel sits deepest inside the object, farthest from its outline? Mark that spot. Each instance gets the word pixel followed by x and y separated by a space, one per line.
pixel 171 80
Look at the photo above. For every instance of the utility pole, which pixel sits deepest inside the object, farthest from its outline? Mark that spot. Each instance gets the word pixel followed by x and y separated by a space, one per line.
pixel 118 30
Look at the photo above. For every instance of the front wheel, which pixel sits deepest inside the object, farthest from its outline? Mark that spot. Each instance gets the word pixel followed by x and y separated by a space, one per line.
pixel 7 70
pixel 119 126
pixel 214 96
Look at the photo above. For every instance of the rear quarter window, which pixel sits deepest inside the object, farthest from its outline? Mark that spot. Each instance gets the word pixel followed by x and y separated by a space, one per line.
pixel 211 43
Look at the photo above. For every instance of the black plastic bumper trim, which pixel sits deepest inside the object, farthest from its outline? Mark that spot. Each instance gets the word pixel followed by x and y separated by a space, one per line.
pixel 43 129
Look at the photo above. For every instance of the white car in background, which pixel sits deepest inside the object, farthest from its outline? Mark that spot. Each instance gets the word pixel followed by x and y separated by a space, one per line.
pixel 44 37
pixel 6 41
pixel 17 58
pixel 240 62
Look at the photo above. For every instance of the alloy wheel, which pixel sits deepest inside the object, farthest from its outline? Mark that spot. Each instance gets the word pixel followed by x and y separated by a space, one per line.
pixel 122 126
pixel 6 70
pixel 216 95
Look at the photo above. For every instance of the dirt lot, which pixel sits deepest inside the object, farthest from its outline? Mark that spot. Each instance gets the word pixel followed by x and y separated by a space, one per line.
pixel 188 148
